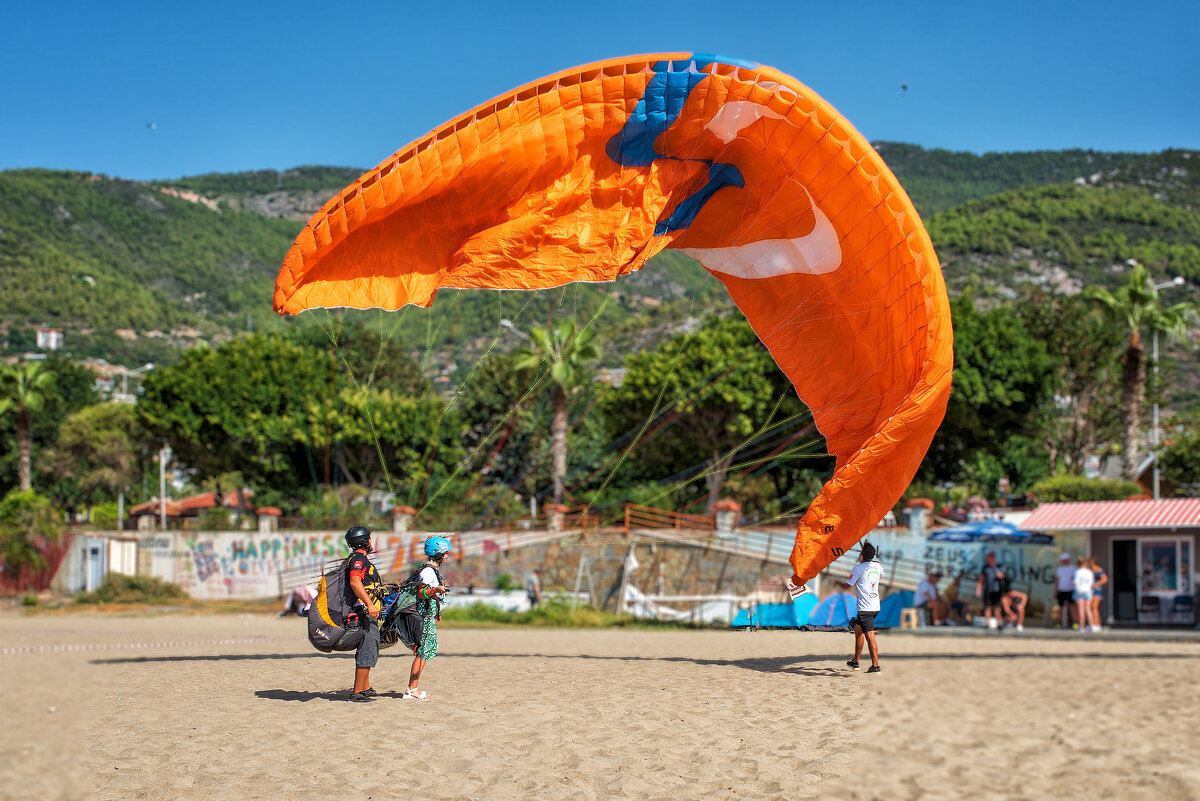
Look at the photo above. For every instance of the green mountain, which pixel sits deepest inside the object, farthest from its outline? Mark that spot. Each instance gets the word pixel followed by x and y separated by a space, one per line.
pixel 137 271
pixel 941 179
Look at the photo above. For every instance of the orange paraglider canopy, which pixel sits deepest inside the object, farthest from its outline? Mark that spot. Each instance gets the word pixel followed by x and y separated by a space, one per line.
pixel 585 175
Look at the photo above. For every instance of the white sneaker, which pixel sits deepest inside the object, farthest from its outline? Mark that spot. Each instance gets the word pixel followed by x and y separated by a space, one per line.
pixel 993 623
pixel 1020 627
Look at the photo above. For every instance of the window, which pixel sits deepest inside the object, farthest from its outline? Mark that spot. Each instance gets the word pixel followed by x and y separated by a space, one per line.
pixel 1165 566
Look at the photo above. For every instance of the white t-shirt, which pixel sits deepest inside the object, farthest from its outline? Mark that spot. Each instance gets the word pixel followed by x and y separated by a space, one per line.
pixel 1066 578
pixel 926 591
pixel 1084 579
pixel 429 577
pixel 865 578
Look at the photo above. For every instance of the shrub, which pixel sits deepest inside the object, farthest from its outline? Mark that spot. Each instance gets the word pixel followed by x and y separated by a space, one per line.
pixel 26 521
pixel 122 589
pixel 104 516
pixel 29 599
pixel 505 582
pixel 1078 488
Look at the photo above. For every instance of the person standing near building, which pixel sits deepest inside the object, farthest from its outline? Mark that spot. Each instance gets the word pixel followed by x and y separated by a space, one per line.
pixel 1064 589
pixel 1085 580
pixel 1003 490
pixel 865 579
pixel 1101 578
pixel 533 588
pixel 990 588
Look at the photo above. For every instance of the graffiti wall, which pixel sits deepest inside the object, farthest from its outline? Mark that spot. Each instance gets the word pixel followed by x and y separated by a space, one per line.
pixel 236 564
pixel 244 564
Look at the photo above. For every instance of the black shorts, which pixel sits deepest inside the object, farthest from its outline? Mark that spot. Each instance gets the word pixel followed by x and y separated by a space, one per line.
pixel 864 621
pixel 367 653
pixel 1065 597
pixel 992 598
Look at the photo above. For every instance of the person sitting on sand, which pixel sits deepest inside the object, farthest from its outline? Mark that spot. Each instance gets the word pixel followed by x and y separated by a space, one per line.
pixel 430 591
pixel 926 598
pixel 1013 602
pixel 957 606
pixel 299 600
pixel 865 579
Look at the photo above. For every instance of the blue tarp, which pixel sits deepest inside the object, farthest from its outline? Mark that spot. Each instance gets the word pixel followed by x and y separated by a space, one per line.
pixel 791 615
pixel 889 609
pixel 990 531
pixel 835 610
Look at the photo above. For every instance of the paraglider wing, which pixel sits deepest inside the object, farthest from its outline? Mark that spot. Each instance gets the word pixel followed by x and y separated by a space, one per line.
pixel 585 175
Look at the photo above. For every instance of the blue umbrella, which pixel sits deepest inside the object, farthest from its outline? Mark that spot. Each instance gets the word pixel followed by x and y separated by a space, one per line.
pixel 990 531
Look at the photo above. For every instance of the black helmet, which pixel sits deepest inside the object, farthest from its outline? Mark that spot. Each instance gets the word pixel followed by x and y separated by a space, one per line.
pixel 359 537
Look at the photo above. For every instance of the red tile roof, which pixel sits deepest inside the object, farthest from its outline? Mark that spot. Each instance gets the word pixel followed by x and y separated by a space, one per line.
pixel 1098 515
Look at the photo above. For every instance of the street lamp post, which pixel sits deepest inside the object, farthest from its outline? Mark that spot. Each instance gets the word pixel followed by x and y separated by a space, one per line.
pixel 163 456
pixel 1176 281
pixel 145 368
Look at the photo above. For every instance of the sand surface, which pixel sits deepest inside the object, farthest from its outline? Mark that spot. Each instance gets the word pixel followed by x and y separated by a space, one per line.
pixel 240 706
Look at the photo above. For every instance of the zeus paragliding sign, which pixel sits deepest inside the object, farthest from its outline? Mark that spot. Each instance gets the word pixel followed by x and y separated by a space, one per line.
pixel 587 174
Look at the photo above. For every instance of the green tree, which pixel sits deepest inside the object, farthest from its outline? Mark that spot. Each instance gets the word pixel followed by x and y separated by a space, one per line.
pixel 23 390
pixel 243 407
pixel 1179 458
pixel 98 448
pixel 368 357
pixel 1003 380
pixel 698 400
pixel 1135 307
pixel 406 441
pixel 1082 349
pixel 569 350
pixel 27 521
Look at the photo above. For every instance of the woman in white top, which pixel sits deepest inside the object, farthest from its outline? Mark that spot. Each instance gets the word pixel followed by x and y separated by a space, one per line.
pixel 1084 579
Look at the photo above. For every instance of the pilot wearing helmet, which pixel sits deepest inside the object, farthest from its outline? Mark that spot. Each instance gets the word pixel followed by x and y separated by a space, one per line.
pixel 430 590
pixel 364 585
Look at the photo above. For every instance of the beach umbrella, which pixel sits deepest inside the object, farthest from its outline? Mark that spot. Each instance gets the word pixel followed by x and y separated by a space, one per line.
pixel 990 531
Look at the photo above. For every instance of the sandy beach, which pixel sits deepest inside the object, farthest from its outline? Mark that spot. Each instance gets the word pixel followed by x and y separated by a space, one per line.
pixel 240 706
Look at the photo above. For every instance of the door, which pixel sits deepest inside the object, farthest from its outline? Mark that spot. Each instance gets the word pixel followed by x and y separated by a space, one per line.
pixel 94 573
pixel 1124 580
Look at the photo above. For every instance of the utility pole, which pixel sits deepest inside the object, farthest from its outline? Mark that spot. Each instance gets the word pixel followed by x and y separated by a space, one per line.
pixel 163 456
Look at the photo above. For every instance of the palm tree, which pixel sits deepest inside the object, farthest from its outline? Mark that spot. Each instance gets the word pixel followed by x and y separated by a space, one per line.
pixel 23 389
pixel 1135 306
pixel 568 350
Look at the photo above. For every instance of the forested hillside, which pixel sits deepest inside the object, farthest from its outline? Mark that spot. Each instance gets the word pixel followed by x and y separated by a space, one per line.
pixel 135 272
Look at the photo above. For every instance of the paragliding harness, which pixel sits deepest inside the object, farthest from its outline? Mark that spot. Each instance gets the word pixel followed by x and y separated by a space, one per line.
pixel 335 618
pixel 401 620
pixel 334 624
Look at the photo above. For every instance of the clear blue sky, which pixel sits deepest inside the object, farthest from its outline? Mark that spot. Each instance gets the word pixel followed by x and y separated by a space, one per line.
pixel 251 85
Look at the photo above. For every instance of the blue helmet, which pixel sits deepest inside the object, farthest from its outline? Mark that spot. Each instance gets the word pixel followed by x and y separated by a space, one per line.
pixel 436 545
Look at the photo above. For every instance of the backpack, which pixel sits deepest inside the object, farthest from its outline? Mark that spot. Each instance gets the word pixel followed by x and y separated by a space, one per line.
pixel 401 621
pixel 329 625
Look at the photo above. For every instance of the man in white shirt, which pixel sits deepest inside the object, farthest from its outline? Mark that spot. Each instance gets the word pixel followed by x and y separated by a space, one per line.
pixel 1064 589
pixel 865 579
pixel 926 597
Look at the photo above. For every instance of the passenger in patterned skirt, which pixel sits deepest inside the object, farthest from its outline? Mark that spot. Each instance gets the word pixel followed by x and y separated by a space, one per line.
pixel 429 594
